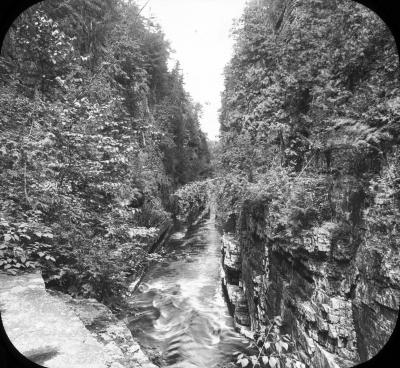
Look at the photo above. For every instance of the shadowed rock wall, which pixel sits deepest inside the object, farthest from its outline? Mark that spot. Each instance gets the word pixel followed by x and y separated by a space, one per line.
pixel 336 284
pixel 338 297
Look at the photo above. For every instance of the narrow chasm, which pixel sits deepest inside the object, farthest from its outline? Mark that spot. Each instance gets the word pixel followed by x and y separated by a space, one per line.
pixel 140 228
pixel 178 312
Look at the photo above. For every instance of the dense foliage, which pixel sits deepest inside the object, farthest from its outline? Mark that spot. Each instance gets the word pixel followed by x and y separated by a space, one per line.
pixel 309 136
pixel 192 199
pixel 312 104
pixel 272 349
pixel 96 133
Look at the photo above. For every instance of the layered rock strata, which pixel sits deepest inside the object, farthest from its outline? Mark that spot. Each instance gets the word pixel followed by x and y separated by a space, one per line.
pixel 339 298
pixel 231 282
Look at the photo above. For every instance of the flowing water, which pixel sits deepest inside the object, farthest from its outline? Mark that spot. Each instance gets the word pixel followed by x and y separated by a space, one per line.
pixel 179 309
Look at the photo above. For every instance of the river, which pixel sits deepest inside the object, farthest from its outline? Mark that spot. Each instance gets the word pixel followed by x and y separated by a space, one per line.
pixel 179 310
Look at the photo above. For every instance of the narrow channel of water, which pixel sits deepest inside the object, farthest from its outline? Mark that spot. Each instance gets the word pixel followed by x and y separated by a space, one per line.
pixel 179 309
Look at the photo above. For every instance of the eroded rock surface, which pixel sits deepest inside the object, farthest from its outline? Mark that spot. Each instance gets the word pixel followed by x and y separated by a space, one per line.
pixel 340 299
pixel 231 263
pixel 57 331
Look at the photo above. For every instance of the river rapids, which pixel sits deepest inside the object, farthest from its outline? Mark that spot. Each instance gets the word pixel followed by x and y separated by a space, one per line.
pixel 179 312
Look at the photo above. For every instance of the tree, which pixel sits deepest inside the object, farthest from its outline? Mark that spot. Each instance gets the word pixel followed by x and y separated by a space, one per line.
pixel 90 117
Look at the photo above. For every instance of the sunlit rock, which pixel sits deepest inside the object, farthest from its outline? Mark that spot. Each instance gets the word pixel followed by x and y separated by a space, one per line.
pixel 58 331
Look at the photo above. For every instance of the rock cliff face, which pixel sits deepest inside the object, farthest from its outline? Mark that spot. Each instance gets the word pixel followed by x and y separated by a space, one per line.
pixel 334 280
pixel 338 296
pixel 232 282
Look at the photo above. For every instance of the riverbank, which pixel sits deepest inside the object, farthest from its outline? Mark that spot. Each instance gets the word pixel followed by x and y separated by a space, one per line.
pixel 48 323
pixel 117 271
pixel 56 330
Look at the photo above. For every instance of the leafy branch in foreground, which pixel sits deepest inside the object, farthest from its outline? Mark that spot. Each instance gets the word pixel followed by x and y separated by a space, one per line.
pixel 272 349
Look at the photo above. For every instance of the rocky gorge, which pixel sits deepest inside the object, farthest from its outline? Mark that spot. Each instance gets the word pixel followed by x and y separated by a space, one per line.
pixel 308 197
pixel 278 247
pixel 340 298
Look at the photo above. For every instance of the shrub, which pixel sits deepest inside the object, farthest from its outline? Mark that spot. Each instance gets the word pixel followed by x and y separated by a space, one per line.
pixel 272 349
pixel 26 244
pixel 191 199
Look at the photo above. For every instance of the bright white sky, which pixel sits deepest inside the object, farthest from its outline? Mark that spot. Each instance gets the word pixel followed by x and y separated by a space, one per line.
pixel 199 33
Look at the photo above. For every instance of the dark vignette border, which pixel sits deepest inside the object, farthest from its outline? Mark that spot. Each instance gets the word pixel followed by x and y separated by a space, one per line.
pixel 388 356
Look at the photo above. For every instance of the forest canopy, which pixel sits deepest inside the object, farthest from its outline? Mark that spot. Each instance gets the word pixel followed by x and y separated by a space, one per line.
pixel 311 100
pixel 93 123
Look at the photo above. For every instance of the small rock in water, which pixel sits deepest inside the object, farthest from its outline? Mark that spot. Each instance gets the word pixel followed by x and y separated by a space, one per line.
pixel 178 235
pixel 116 365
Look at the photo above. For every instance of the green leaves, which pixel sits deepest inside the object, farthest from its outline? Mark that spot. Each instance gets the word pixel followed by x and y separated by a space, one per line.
pixel 23 243
pixel 310 88
pixel 244 362
pixel 191 199
pixel 92 117
pixel 264 359
pixel 273 362
pixel 278 320
pixel 274 349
